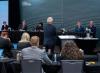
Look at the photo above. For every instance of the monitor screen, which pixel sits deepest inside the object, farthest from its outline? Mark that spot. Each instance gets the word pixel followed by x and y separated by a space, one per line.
pixel 3 12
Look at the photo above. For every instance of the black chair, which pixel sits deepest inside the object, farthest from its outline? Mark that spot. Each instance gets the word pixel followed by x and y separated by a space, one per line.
pixel 72 66
pixel 98 56
pixel 31 66
pixel 14 53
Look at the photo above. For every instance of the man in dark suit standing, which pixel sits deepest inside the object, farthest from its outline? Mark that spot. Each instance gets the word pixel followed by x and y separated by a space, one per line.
pixel 4 26
pixel 49 36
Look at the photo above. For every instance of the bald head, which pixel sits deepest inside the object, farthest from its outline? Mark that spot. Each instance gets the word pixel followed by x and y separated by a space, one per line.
pixel 50 20
pixel 35 41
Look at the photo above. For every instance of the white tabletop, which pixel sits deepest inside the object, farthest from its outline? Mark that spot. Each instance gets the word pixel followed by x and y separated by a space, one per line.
pixel 74 37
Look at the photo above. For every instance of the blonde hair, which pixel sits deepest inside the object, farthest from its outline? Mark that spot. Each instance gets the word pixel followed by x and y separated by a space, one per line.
pixel 25 37
pixel 35 41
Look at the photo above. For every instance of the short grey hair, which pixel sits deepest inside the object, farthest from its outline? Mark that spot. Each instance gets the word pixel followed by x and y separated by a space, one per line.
pixel 50 19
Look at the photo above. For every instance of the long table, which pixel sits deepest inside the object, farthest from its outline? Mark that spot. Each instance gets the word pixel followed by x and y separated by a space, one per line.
pixel 87 44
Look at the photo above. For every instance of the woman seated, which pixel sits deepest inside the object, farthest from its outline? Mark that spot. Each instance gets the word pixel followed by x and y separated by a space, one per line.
pixel 71 51
pixel 25 41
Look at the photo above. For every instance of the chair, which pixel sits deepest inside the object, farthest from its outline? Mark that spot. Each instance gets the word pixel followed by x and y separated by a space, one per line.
pixel 14 53
pixel 72 66
pixel 98 56
pixel 31 66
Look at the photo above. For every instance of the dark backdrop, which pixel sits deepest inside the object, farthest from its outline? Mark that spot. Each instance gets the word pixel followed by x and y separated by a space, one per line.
pixel 14 14
pixel 65 12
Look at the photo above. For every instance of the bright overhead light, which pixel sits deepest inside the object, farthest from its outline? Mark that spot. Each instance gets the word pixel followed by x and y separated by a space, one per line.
pixel 25 3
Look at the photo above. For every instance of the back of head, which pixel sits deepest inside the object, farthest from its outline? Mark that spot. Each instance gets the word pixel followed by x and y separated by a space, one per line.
pixel 25 37
pixel 71 51
pixel 35 41
pixel 50 20
pixel 70 44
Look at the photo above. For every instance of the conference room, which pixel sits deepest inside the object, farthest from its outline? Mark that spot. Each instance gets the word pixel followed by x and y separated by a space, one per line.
pixel 49 36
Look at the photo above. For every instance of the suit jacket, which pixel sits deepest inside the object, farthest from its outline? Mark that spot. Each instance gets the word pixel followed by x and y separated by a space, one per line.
pixel 49 35
pixel 93 31
pixel 36 54
pixel 79 30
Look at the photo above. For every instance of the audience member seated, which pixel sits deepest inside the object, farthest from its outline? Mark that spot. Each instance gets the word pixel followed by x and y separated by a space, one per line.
pixel 24 42
pixel 34 52
pixel 5 34
pixel 71 51
pixel 5 44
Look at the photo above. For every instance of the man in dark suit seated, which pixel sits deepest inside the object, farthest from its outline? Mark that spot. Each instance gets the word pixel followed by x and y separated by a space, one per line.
pixel 4 26
pixel 92 28
pixel 79 29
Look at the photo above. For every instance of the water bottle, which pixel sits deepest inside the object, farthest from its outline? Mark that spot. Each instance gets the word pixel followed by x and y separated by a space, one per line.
pixel 43 49
pixel 18 56
pixel 55 57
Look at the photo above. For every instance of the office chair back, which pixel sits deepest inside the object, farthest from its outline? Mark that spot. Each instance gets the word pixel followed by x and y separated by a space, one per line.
pixel 31 66
pixel 72 66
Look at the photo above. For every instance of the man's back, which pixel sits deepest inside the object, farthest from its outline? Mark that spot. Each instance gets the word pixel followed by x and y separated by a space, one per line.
pixel 30 53
pixel 35 53
pixel 49 31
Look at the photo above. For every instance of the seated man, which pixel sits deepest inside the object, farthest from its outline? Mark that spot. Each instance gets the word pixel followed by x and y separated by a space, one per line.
pixel 6 45
pixel 34 52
